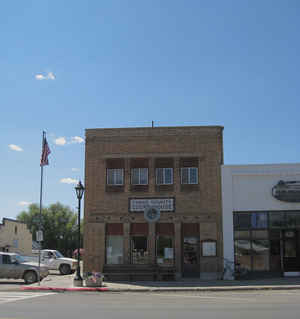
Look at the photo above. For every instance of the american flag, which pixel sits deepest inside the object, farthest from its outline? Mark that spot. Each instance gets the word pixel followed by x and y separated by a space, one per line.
pixel 45 152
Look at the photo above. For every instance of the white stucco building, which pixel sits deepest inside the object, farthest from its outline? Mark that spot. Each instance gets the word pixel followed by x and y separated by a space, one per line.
pixel 261 217
pixel 15 237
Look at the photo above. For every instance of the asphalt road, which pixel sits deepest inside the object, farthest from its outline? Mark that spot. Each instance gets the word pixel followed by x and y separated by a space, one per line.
pixel 245 305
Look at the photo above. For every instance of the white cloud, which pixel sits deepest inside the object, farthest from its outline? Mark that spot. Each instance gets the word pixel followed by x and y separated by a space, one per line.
pixel 24 203
pixel 49 76
pixel 40 77
pixel 75 169
pixel 60 141
pixel 69 180
pixel 68 140
pixel 15 147
pixel 77 139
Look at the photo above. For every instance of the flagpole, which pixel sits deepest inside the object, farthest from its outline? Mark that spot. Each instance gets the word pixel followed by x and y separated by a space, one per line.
pixel 40 215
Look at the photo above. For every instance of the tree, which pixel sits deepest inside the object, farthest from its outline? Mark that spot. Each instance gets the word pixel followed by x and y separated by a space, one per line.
pixel 59 225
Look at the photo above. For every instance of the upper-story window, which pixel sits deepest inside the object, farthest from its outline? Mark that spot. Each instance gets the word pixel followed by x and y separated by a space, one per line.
pixel 164 176
pixel 115 176
pixel 139 176
pixel 189 175
pixel 115 170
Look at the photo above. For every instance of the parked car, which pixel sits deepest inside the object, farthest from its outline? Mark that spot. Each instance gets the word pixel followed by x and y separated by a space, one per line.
pixel 13 266
pixel 54 260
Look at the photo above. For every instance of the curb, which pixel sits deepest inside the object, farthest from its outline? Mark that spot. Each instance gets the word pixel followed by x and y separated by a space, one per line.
pixel 60 289
pixel 212 289
pixel 198 289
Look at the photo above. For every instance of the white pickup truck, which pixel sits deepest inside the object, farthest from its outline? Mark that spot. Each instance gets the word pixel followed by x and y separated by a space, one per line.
pixel 54 260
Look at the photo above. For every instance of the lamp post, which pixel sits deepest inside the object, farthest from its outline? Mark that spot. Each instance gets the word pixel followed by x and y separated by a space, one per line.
pixel 77 282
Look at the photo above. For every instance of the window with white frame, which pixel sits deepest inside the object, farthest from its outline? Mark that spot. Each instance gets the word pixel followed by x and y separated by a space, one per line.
pixel 164 176
pixel 189 175
pixel 115 176
pixel 139 176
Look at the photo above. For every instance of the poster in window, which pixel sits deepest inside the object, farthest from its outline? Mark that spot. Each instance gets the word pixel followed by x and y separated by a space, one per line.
pixel 209 249
pixel 168 253
pixel 109 251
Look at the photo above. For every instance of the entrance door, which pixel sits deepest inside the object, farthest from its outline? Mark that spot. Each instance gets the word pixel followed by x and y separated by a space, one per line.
pixel 139 250
pixel 290 256
pixel 191 266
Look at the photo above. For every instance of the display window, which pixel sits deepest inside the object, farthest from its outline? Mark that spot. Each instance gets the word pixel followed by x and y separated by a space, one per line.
pixel 250 220
pixel 277 220
pixel 114 250
pixel 267 241
pixel 165 250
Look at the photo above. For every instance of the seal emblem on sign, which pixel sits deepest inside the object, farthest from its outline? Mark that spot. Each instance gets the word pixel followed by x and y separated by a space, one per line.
pixel 152 214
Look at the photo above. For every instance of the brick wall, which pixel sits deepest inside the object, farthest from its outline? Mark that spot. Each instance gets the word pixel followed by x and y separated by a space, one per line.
pixel 199 203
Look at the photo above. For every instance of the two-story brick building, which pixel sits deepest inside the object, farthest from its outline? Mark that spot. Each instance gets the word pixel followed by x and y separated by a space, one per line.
pixel 153 202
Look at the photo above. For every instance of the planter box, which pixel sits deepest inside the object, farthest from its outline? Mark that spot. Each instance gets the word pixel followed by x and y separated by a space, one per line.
pixel 94 282
pixel 93 279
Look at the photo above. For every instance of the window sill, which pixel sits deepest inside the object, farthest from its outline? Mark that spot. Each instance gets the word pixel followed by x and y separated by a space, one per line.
pixel 139 188
pixel 114 188
pixel 189 187
pixel 164 188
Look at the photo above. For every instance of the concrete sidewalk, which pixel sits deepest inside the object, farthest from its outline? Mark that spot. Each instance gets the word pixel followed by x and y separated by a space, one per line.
pixel 65 283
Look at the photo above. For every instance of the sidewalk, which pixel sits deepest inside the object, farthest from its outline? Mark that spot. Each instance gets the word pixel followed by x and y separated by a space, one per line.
pixel 65 283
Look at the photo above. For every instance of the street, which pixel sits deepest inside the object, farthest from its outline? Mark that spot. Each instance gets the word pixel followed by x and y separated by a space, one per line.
pixel 226 305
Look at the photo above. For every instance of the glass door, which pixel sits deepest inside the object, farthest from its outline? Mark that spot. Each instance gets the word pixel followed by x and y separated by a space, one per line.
pixel 290 256
pixel 191 265
pixel 139 250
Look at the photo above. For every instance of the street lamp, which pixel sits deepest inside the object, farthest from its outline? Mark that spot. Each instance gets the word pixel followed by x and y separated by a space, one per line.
pixel 78 279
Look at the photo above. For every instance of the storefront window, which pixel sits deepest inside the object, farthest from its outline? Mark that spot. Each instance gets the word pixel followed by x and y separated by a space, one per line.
pixel 241 234
pixel 242 253
pixel 259 234
pixel 260 247
pixel 261 263
pixel 293 219
pixel 139 250
pixel 259 220
pixel 267 241
pixel 114 250
pixel 242 220
pixel 164 250
pixel 277 220
pixel 275 260
pixel 290 248
pixel 242 247
pixel 253 254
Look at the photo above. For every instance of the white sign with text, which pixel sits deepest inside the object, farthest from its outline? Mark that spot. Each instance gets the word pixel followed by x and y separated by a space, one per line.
pixel 163 204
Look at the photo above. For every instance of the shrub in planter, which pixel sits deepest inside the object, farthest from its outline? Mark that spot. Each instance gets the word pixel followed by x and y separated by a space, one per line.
pixel 93 279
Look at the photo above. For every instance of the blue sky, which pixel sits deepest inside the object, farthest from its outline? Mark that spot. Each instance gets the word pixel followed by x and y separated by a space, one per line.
pixel 71 65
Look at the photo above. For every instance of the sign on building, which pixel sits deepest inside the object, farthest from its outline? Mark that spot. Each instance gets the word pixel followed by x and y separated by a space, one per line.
pixel 163 204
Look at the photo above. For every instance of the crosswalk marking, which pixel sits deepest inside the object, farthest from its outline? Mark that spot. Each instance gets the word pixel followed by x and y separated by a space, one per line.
pixel 6 296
